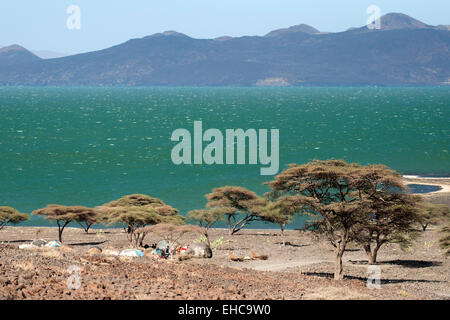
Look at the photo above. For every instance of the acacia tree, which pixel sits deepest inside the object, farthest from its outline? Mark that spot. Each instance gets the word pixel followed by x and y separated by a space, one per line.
pixel 246 206
pixel 326 191
pixel 430 213
pixel 137 211
pixel 206 218
pixel 86 224
pixel 281 212
pixel 392 214
pixel 390 222
pixel 63 215
pixel 350 202
pixel 137 200
pixel 11 215
pixel 169 232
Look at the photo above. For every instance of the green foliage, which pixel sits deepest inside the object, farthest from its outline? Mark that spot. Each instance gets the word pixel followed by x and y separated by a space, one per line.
pixel 138 211
pixel 219 242
pixel 430 213
pixel 136 200
pixel 171 233
pixel 208 217
pixel 201 239
pixel 282 211
pixel 134 216
pixel 135 211
pixel 215 244
pixel 63 215
pixel 241 206
pixel 349 202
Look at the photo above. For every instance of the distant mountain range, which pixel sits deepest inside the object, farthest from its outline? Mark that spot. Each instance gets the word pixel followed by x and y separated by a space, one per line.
pixel 47 54
pixel 404 51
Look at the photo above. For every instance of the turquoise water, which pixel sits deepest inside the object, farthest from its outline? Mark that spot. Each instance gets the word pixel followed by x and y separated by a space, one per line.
pixel 87 146
pixel 420 188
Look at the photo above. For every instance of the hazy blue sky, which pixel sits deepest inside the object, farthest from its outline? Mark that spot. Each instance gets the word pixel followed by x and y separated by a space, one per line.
pixel 41 24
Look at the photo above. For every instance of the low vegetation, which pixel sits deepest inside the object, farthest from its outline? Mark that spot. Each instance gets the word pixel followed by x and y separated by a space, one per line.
pixel 241 206
pixel 138 211
pixel 444 243
pixel 63 215
pixel 281 212
pixel 170 233
pixel 347 203
pixel 430 213
pixel 11 215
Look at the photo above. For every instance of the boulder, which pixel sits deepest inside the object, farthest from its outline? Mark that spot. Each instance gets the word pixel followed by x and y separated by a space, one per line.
pixel 27 246
pixel 53 244
pixel 39 243
pixel 162 245
pixel 110 252
pixel 94 251
pixel 131 253
pixel 200 250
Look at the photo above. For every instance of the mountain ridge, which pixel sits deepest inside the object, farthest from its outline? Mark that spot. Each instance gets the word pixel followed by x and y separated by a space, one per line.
pixel 404 52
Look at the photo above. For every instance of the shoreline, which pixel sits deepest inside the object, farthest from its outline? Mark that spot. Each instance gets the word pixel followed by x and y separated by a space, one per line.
pixel 441 196
pixel 94 231
pixel 442 182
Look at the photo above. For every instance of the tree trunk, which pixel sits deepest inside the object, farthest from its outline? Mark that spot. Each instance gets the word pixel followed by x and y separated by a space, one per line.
pixel 368 250
pixel 372 252
pixel 240 225
pixel 61 229
pixel 338 269
pixel 424 227
pixel 85 227
pixel 338 253
pixel 282 234
pixel 373 258
pixel 141 240
pixel 375 250
pixel 207 238
pixel 230 231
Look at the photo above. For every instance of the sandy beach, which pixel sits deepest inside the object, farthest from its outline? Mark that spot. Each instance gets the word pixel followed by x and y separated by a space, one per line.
pixel 441 196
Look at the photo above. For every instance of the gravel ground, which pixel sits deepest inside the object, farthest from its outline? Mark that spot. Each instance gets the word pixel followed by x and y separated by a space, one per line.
pixel 300 270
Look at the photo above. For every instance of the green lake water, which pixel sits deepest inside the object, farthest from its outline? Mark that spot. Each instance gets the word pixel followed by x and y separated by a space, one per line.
pixel 88 146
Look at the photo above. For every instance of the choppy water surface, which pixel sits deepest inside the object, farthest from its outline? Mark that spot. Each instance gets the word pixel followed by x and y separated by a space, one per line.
pixel 88 146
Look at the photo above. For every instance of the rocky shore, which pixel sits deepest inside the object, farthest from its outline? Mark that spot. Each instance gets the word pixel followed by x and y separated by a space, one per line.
pixel 300 270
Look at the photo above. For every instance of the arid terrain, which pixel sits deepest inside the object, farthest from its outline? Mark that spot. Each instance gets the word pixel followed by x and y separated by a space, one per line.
pixel 300 270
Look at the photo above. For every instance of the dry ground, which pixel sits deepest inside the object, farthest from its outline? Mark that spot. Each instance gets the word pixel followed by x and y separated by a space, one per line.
pixel 300 270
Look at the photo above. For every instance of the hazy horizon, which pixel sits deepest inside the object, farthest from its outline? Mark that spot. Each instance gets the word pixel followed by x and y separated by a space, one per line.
pixel 42 26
